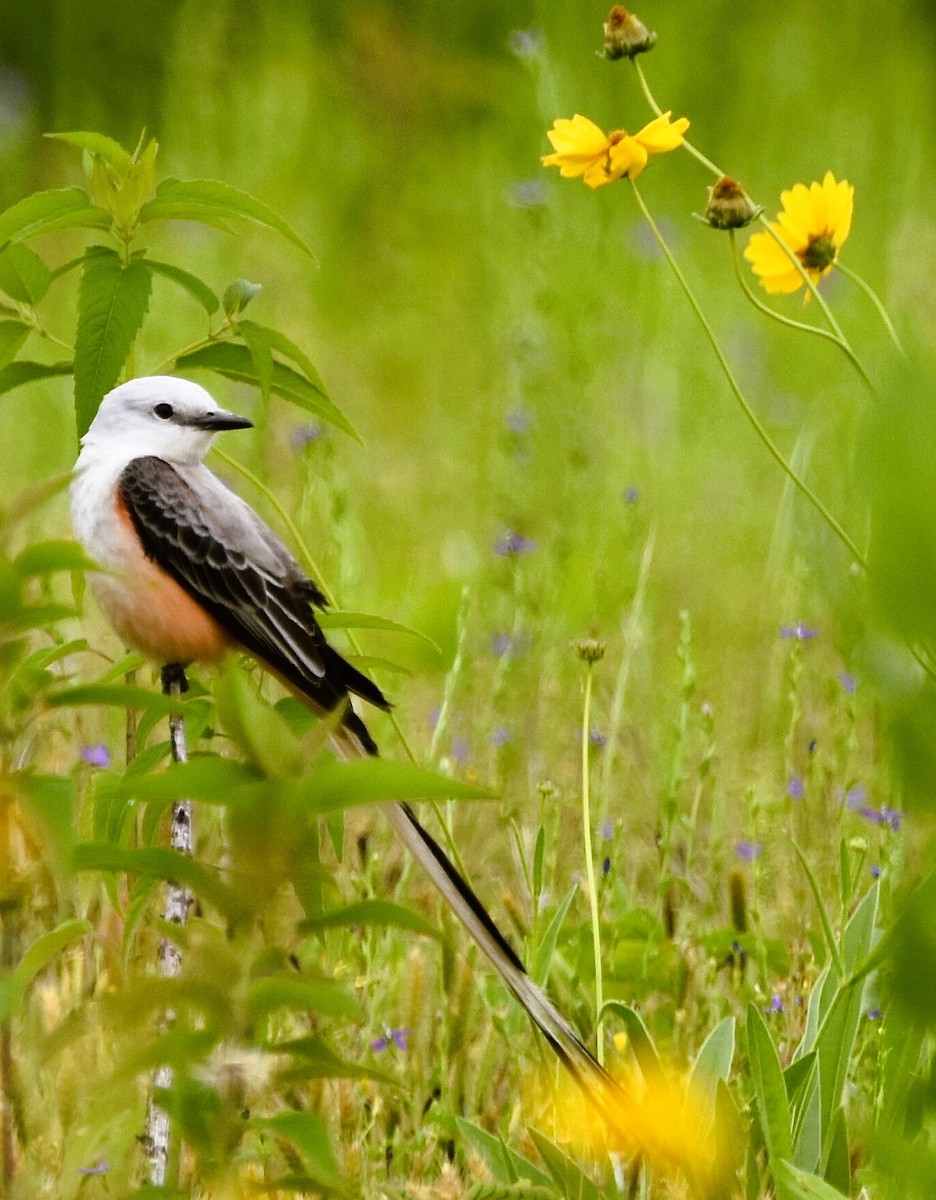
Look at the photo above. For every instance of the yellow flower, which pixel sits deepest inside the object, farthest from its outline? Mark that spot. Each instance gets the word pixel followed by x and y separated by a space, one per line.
pixel 814 223
pixel 584 149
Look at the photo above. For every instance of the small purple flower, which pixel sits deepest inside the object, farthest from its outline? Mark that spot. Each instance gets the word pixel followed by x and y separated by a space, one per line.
pixel 97 755
pixel 500 644
pixel 500 736
pixel 875 871
pixel 796 789
pixel 856 798
pixel 597 738
pixel 512 544
pixel 888 818
pixel 304 435
pixel 101 1167
pixel 631 494
pixel 459 749
pixel 776 1003
pixel 528 193
pixel 798 632
pixel 848 682
pixel 748 851
pixel 518 421
pixel 874 1014
pixel 607 831
pixel 396 1037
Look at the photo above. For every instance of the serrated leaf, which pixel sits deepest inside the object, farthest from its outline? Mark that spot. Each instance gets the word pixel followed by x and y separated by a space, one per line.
pixel 100 145
pixel 113 298
pixel 235 362
pixel 191 283
pixel 336 618
pixel 43 212
pixel 23 274
pixel 12 336
pixel 193 199
pixel 372 912
pixel 15 374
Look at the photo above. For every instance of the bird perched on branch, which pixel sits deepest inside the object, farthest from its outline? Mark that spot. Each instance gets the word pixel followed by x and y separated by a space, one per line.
pixel 190 571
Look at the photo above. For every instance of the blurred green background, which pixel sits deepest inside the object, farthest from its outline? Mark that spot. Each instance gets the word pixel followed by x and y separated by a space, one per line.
pixel 509 344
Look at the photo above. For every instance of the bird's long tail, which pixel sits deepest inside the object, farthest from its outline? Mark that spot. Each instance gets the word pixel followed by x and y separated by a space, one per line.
pixel 458 894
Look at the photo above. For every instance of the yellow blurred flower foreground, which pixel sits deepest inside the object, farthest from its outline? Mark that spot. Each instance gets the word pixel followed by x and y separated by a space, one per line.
pixel 814 223
pixel 662 1119
pixel 584 149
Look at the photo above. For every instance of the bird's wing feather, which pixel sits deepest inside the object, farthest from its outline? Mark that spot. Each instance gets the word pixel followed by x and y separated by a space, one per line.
pixel 217 548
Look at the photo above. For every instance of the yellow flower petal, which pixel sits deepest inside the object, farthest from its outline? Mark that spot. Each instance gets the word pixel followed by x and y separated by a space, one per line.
pixel 628 157
pixel 578 136
pixel 662 134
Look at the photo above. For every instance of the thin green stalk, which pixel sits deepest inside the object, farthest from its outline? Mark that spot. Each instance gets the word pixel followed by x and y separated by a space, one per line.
pixel 875 300
pixel 752 417
pixel 784 320
pixel 590 861
pixel 658 112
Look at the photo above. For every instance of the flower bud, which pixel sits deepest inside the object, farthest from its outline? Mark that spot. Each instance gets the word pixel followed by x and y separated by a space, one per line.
pixel 729 207
pixel 625 35
pixel 590 650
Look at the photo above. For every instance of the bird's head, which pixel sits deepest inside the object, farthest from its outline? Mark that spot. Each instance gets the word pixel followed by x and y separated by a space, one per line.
pixel 171 418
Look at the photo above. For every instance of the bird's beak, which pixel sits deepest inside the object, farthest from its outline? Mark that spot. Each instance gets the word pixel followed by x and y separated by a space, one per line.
pixel 215 422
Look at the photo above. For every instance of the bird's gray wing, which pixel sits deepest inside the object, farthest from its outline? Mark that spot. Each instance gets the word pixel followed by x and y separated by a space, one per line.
pixel 217 549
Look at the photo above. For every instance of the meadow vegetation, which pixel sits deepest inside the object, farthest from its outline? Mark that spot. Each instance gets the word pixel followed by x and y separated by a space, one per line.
pixel 487 417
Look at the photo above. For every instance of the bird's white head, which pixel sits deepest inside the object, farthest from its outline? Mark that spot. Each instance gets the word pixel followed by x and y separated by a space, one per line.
pixel 171 418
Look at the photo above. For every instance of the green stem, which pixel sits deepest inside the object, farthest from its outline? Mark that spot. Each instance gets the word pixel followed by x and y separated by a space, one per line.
pixel 789 321
pixel 198 344
pixel 875 300
pixel 752 417
pixel 658 112
pixel 590 862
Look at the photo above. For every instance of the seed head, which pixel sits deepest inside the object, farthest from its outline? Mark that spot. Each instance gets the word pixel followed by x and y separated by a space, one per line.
pixel 625 35
pixel 729 206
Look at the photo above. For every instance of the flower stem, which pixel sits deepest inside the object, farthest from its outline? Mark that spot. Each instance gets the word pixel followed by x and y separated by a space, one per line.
pixel 657 112
pixel 752 417
pixel 875 300
pixel 590 861
pixel 803 325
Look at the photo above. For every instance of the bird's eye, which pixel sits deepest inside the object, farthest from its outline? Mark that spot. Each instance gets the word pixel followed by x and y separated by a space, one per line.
pixel 163 411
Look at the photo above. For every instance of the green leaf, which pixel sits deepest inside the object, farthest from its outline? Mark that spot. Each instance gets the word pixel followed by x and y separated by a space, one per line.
pixel 46 557
pixel 335 785
pixel 259 730
pixel 160 863
pixel 113 299
pixel 268 994
pixel 566 1173
pixel 35 958
pixel 203 777
pixel 43 212
pixel 23 274
pixel 261 355
pixel 121 695
pixel 100 145
pixel 507 1166
pixel 236 362
pixel 639 1036
pixel 317 1060
pixel 309 1134
pixel 285 346
pixel 15 374
pixel 773 1108
pixel 338 619
pixel 793 1184
pixel 542 960
pixel 12 336
pixel 191 283
pixel 372 912
pixel 196 199
pixel 713 1063
pixel 238 295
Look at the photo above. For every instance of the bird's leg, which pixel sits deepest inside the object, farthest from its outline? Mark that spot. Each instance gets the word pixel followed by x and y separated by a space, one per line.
pixel 178 902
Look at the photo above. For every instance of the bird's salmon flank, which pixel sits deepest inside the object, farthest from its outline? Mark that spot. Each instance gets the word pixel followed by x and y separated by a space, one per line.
pixel 189 569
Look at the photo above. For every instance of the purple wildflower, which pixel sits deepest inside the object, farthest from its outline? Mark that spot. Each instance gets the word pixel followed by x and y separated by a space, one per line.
pixel 888 818
pixel 512 544
pixel 856 797
pixel 459 749
pixel 500 736
pixel 607 831
pixel 395 1036
pixel 748 851
pixel 597 738
pixel 799 632
pixel 875 871
pixel 304 435
pixel 848 682
pixel 97 755
pixel 874 1014
pixel 796 789
pixel 500 644
pixel 101 1167
pixel 631 494
pixel 776 1003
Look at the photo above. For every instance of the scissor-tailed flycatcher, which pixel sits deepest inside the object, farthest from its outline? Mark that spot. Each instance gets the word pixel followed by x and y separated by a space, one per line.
pixel 190 571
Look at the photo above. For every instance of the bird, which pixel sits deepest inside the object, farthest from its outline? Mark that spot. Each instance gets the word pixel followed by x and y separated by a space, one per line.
pixel 188 571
